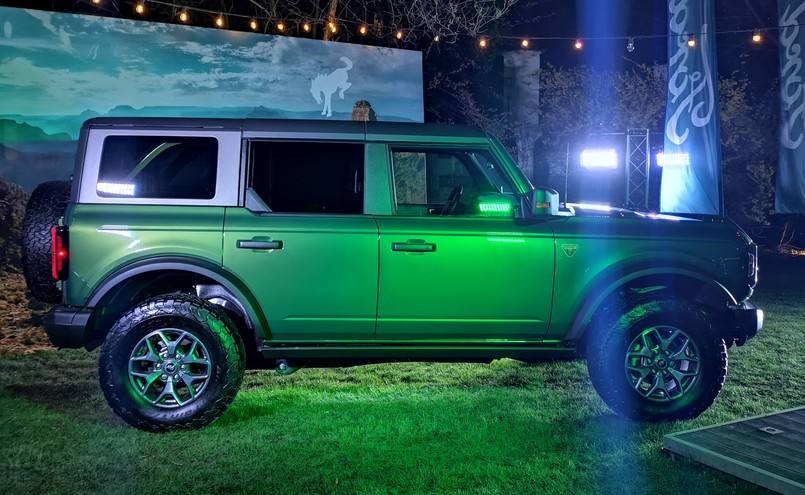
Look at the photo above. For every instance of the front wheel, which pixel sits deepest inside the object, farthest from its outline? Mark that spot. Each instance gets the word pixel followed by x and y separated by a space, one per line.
pixel 657 360
pixel 172 362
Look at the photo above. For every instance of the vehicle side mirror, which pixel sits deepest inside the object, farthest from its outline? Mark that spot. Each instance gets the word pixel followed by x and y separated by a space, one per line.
pixel 546 201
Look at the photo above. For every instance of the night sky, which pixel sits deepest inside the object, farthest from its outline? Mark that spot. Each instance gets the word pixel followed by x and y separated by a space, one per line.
pixel 645 20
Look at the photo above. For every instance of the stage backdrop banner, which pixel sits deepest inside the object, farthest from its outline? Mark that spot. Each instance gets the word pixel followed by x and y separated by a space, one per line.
pixel 57 70
pixel 692 114
pixel 790 191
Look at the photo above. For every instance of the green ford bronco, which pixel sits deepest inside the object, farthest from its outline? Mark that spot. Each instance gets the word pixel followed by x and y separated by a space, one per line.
pixel 192 249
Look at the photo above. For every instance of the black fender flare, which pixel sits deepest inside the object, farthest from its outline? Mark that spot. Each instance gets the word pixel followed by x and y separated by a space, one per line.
pixel 255 317
pixel 599 291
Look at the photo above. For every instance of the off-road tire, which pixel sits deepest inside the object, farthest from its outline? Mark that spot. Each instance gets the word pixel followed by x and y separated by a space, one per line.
pixel 618 328
pixel 206 323
pixel 45 207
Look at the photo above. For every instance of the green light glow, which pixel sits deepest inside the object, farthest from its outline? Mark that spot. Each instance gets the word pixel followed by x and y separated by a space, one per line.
pixel 495 207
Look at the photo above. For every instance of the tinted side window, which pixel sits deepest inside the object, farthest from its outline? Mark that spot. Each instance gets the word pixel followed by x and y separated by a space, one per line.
pixel 424 179
pixel 301 177
pixel 158 167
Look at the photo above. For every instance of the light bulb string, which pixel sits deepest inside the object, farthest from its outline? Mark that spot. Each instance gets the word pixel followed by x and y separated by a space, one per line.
pixel 394 32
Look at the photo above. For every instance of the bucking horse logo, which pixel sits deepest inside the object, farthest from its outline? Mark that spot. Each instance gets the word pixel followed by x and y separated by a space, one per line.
pixel 328 84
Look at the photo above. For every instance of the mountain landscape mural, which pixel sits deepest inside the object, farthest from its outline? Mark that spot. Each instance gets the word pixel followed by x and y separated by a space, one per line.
pixel 58 70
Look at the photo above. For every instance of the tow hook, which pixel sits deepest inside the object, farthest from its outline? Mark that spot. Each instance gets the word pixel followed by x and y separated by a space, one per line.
pixel 285 369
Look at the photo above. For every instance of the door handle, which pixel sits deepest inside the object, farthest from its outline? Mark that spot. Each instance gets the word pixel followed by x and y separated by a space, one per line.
pixel 413 246
pixel 250 244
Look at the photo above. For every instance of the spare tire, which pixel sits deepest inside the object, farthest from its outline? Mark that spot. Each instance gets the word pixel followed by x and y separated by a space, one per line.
pixel 45 207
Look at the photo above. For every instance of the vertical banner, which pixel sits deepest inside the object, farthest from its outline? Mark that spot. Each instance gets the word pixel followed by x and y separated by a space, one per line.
pixel 691 183
pixel 790 190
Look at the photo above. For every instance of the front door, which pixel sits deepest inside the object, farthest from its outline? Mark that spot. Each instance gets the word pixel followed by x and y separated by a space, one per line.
pixel 447 273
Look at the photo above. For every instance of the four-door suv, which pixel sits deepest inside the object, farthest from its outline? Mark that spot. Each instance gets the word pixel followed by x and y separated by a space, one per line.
pixel 191 249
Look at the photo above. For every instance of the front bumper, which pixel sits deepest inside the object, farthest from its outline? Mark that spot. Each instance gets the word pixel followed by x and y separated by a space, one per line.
pixel 67 326
pixel 747 320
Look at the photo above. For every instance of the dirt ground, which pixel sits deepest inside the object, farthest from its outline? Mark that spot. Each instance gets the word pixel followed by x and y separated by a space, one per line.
pixel 21 329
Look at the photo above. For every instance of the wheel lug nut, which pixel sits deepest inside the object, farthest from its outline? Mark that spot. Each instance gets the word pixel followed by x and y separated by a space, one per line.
pixel 164 377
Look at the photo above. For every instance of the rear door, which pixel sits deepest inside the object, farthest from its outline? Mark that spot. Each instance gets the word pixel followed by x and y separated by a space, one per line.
pixel 447 272
pixel 303 245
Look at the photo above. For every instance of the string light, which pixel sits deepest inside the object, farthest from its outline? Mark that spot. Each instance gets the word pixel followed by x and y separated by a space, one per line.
pixel 184 16
pixel 96 2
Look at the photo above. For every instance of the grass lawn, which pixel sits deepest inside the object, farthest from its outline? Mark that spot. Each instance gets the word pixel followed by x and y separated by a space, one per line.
pixel 505 427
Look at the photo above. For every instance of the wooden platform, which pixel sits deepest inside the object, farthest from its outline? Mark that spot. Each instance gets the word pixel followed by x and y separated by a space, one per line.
pixel 768 450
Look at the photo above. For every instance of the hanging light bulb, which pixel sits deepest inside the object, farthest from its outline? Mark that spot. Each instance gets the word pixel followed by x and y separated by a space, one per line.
pixel 525 43
pixel 219 21
pixel 578 45
pixel 184 16
pixel 362 30
pixel 280 26
pixel 96 2
pixel 437 38
pixel 692 41
pixel 482 43
pixel 306 27
pixel 757 37
pixel 630 45
pixel 399 35
pixel 139 7
pixel 253 24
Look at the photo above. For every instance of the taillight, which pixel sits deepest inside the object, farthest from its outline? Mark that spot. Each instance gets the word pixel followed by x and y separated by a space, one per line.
pixel 60 254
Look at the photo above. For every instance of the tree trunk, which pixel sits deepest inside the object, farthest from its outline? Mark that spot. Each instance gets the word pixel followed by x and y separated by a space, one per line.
pixel 328 33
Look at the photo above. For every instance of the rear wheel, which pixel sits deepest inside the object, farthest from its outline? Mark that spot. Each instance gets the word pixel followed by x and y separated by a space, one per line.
pixel 172 362
pixel 45 207
pixel 657 360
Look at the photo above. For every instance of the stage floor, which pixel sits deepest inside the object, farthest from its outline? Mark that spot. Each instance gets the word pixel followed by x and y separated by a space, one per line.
pixel 768 450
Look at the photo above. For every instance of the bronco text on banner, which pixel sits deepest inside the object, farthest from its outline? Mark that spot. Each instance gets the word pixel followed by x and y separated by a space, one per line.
pixel 692 185
pixel 790 194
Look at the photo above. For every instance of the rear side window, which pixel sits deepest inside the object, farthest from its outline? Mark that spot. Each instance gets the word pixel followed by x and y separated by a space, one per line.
pixel 303 177
pixel 158 167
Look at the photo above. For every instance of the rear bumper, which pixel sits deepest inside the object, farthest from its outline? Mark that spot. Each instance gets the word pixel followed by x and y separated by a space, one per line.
pixel 747 321
pixel 67 326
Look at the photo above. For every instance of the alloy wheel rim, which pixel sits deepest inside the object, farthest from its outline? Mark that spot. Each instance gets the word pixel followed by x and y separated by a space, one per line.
pixel 662 363
pixel 169 368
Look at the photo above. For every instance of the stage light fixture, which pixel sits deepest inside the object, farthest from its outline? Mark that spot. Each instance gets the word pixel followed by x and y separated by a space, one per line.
pixel 673 159
pixel 599 158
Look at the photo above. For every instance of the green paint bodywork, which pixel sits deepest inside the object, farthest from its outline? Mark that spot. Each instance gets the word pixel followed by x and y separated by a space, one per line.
pixel 423 286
